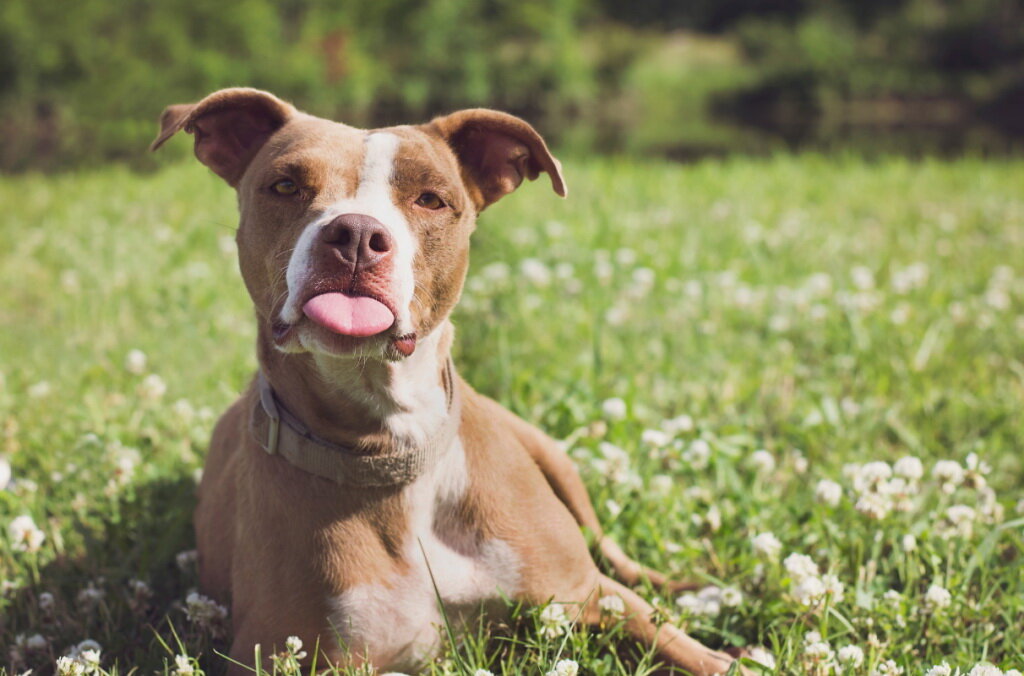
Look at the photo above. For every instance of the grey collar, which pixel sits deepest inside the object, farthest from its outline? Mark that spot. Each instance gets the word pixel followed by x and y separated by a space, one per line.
pixel 279 432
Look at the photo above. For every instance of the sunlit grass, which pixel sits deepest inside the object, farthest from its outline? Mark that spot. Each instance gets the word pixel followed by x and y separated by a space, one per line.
pixel 763 322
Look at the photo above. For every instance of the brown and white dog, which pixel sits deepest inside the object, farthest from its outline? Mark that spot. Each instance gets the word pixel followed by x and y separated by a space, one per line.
pixel 358 470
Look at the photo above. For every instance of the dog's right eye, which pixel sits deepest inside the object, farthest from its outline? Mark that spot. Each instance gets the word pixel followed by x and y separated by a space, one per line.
pixel 285 187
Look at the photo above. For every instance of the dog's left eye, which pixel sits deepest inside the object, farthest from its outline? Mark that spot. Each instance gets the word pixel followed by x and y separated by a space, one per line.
pixel 429 200
pixel 285 187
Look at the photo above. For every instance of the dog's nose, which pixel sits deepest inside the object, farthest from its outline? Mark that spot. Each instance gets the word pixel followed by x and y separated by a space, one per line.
pixel 360 240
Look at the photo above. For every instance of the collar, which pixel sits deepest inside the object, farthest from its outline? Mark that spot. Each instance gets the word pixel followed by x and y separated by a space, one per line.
pixel 279 432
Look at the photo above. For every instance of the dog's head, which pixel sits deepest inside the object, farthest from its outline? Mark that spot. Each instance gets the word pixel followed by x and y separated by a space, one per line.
pixel 354 242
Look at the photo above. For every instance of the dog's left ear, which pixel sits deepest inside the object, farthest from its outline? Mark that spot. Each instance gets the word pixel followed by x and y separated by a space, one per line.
pixel 496 151
pixel 229 126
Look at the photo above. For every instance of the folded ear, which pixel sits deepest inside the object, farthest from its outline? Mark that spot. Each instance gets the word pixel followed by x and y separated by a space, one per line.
pixel 229 126
pixel 497 151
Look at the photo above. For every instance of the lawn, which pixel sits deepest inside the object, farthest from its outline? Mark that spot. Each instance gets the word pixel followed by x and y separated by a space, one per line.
pixel 748 359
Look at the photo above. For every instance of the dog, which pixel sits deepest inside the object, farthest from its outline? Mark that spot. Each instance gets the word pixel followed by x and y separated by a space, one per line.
pixel 360 488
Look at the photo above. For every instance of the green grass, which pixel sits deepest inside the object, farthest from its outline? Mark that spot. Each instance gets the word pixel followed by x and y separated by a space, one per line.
pixel 750 321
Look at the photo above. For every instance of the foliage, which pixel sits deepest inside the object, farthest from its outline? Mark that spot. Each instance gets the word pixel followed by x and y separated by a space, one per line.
pixel 85 81
pixel 711 341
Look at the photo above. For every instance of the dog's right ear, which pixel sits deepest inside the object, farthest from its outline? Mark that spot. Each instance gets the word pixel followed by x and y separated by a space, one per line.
pixel 229 126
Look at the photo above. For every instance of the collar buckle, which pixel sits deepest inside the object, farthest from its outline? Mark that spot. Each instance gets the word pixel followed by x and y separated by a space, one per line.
pixel 269 402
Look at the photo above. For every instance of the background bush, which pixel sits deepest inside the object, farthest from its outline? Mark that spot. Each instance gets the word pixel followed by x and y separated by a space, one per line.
pixel 85 80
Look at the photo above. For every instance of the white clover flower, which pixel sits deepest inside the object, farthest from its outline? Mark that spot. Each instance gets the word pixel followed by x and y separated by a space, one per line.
pixel 976 471
pixel 125 461
pixel 800 566
pixel 851 656
pixel 833 587
pixel 46 602
pixel 625 256
pixel 135 362
pixel 612 605
pixel 900 314
pixel 90 657
pixel 183 666
pixel 554 621
pixel 762 657
pixel 900 493
pixel 887 668
pixel 186 560
pixel 779 323
pixel 614 508
pixel 949 474
pixel 69 666
pixel 139 588
pixel 975 464
pixel 940 670
pixel 662 484
pixel 70 281
pixel 498 271
pixel 874 505
pixel 762 461
pixel 937 598
pixel 766 546
pixel 483 672
pixel 871 475
pixel 960 521
pixel 535 271
pixel 39 390
pixel 800 463
pixel 88 645
pixel 985 670
pixel 205 612
pixel 677 425
pixel 152 388
pixel 697 454
pixel 690 604
pixel 713 519
pixel 892 597
pixel 614 409
pixel 36 642
pixel 731 597
pixel 565 668
pixel 183 409
pixel 293 644
pixel 5 472
pixel 817 653
pixel 706 602
pixel 23 534
pixel 863 277
pixel 988 506
pixel 565 270
pixel 808 591
pixel 90 597
pixel 615 464
pixel 655 438
pixel 828 492
pixel 909 467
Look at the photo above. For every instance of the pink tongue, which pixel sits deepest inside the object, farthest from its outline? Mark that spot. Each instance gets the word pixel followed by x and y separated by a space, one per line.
pixel 349 315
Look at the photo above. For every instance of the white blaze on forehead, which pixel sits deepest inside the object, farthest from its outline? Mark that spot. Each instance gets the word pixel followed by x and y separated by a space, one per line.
pixel 373 197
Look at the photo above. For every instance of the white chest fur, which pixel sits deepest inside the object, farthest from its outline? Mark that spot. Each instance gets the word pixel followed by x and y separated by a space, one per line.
pixel 397 623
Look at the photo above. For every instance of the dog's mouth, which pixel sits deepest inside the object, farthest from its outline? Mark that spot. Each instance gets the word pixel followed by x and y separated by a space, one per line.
pixel 351 318
pixel 349 315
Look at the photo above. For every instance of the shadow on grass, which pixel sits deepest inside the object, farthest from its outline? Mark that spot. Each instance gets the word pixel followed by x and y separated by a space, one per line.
pixel 124 587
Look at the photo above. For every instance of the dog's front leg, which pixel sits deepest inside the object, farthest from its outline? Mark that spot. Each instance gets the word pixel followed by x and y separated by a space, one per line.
pixel 567 484
pixel 673 645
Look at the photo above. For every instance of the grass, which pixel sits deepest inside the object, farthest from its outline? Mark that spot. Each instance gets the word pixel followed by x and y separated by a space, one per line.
pixel 829 311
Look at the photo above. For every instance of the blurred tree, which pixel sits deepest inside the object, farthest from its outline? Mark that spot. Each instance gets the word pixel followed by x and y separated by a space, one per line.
pixel 85 80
